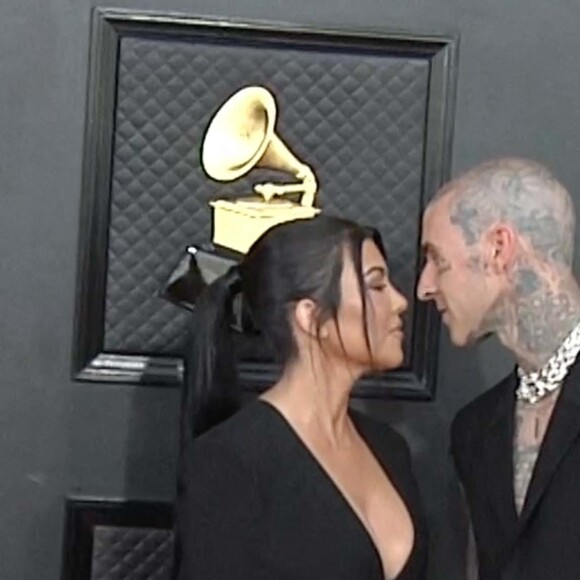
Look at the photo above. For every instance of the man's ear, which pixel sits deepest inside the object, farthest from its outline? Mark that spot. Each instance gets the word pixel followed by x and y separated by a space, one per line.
pixel 306 317
pixel 500 248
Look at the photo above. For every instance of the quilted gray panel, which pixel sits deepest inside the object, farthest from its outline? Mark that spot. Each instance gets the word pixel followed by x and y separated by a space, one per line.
pixel 121 553
pixel 357 118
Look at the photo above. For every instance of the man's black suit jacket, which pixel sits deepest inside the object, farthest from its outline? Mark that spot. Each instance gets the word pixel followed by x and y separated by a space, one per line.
pixel 543 543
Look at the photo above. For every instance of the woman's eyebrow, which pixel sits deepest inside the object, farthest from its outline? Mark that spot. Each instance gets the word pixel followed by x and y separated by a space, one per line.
pixel 375 270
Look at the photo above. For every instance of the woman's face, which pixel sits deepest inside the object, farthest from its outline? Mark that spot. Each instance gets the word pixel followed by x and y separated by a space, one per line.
pixel 385 306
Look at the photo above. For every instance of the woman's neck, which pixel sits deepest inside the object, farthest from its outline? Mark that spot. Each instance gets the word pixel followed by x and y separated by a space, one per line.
pixel 315 399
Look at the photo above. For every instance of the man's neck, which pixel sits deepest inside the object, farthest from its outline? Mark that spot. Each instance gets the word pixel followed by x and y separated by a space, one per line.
pixel 544 307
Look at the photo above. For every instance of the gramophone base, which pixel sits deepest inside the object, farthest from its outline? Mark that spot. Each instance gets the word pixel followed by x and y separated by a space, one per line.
pixel 237 226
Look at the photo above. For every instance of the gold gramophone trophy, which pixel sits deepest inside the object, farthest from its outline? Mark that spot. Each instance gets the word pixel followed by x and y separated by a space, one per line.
pixel 240 137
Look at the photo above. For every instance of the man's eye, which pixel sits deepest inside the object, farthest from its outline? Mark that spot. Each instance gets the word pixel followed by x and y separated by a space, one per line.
pixel 442 265
pixel 431 260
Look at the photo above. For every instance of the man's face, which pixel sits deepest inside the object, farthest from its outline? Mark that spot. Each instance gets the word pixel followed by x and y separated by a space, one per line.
pixel 453 276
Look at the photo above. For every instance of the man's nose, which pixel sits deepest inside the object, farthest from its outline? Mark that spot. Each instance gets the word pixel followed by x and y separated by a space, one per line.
pixel 426 287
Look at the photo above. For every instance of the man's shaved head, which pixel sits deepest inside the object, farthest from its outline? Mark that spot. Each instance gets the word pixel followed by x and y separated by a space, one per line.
pixel 498 243
pixel 517 192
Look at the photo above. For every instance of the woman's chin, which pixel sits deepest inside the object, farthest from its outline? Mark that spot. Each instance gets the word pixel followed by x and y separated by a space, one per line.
pixel 389 361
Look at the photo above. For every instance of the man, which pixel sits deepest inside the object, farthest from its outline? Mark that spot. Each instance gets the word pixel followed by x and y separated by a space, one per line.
pixel 498 243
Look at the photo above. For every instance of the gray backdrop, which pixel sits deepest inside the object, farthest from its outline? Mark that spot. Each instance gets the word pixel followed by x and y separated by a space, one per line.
pixel 518 84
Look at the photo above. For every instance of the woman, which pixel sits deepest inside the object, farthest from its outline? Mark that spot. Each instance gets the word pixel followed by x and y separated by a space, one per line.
pixel 294 485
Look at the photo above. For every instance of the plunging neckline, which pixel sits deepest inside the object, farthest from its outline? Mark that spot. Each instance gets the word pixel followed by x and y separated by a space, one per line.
pixel 337 491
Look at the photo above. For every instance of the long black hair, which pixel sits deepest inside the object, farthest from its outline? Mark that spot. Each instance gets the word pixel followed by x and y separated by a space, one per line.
pixel 290 262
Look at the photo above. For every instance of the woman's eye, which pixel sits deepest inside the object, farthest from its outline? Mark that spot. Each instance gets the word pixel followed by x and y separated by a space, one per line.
pixel 378 287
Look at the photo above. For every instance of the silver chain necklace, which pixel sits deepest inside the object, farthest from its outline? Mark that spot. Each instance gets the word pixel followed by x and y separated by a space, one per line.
pixel 536 385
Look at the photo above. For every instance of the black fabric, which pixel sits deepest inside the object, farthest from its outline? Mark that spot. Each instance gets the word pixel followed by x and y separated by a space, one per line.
pixel 544 542
pixel 258 506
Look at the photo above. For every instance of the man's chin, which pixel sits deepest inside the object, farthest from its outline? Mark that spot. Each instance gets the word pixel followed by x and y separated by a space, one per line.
pixel 459 341
pixel 462 340
pixel 458 338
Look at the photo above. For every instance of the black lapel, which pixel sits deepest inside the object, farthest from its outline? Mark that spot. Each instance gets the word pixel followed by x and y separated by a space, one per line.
pixel 496 458
pixel 564 427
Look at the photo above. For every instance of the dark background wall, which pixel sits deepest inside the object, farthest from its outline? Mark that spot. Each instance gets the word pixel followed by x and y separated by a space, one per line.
pixel 518 86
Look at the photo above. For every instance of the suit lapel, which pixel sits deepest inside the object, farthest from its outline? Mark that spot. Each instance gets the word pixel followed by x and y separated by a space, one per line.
pixel 563 429
pixel 497 459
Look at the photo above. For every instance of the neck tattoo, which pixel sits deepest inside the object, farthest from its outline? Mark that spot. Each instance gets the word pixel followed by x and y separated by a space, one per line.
pixel 536 385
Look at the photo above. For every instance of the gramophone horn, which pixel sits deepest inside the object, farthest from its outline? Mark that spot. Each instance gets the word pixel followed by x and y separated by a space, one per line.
pixel 239 134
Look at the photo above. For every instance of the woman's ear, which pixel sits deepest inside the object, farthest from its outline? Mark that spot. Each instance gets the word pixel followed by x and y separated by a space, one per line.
pixel 306 317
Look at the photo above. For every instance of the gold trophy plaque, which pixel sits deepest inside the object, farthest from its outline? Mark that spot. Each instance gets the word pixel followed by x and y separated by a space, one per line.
pixel 241 136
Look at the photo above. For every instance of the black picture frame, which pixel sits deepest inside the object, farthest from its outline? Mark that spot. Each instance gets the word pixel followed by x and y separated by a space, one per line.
pixel 91 361
pixel 83 515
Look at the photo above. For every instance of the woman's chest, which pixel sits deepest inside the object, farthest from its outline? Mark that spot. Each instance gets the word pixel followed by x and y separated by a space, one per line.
pixel 309 531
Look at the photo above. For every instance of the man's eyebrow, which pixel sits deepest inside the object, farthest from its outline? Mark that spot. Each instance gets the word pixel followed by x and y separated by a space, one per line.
pixel 429 248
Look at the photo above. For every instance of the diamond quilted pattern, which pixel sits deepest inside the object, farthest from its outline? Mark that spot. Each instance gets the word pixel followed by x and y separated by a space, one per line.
pixel 358 118
pixel 131 553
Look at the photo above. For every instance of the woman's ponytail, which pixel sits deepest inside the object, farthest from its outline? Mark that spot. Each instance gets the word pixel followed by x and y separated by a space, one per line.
pixel 211 392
